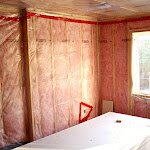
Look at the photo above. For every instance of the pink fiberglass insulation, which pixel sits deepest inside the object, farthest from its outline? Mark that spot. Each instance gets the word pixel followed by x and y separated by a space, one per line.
pixel 2 143
pixel 148 107
pixel 140 107
pixel 74 70
pixel 139 24
pixel 75 96
pixel 12 101
pixel 87 65
pixel 61 73
pixel 34 79
pixel 44 73
pixel 62 104
pixel 55 68
pixel 121 67
pixel 106 62
pixel 74 49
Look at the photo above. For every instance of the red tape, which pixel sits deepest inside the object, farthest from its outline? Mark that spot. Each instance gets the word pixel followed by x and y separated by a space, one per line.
pixel 125 21
pixel 10 18
pixel 85 118
pixel 30 14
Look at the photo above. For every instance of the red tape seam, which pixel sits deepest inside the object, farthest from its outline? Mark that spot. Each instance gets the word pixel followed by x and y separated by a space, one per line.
pixel 30 14
pixel 85 118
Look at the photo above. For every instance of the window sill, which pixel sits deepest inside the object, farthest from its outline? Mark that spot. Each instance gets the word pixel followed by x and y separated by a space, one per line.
pixel 142 95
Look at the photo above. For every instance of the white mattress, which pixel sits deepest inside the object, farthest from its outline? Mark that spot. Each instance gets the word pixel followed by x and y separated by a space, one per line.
pixel 100 133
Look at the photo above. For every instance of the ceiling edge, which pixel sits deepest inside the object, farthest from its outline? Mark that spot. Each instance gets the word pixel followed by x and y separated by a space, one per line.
pixel 64 15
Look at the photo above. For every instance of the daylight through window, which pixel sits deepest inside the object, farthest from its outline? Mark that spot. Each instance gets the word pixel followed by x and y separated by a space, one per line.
pixel 141 62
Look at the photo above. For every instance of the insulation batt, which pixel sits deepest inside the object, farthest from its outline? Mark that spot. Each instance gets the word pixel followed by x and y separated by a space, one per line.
pixel 12 98
pixel 64 71
pixel 63 64
pixel 114 67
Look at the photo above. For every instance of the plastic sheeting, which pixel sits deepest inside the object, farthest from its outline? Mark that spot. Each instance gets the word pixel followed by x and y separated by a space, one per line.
pixel 41 76
pixel 12 91
pixel 61 72
pixel 63 67
pixel 75 70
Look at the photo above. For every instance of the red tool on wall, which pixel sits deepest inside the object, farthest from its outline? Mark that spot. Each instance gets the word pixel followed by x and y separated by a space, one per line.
pixel 85 118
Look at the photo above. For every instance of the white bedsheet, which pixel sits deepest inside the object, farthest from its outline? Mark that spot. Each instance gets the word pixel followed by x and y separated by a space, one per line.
pixel 100 133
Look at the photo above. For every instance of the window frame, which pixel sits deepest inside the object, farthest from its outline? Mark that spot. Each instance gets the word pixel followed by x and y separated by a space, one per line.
pixel 130 45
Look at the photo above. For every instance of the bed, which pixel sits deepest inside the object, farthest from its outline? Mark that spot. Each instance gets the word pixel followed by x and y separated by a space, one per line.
pixel 110 131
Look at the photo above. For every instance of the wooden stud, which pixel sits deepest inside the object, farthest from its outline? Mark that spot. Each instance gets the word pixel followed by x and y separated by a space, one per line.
pixel 130 82
pixel 93 72
pixel 70 124
pixel 37 87
pixel 81 62
pixel 139 30
pixel 129 72
pixel 99 69
pixel 130 99
pixel 2 115
pixel 82 90
pixel 54 102
pixel 30 128
pixel 21 76
pixel 113 66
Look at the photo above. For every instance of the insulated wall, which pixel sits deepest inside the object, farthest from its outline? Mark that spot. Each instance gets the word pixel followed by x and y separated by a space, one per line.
pixel 12 90
pixel 114 67
pixel 141 104
pixel 64 72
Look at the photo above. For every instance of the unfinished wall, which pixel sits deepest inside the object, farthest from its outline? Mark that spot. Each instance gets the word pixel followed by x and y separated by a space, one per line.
pixel 12 91
pixel 64 72
pixel 141 104
pixel 114 67
pixel 63 67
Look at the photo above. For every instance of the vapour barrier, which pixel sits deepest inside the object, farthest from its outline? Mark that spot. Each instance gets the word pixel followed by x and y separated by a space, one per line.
pixel 63 63
pixel 74 47
pixel 12 91
pixel 63 71
pixel 44 73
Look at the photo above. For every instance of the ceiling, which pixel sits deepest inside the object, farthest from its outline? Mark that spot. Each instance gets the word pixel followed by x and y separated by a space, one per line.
pixel 121 9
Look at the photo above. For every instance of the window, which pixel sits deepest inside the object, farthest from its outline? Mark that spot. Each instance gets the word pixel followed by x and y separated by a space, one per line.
pixel 141 62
